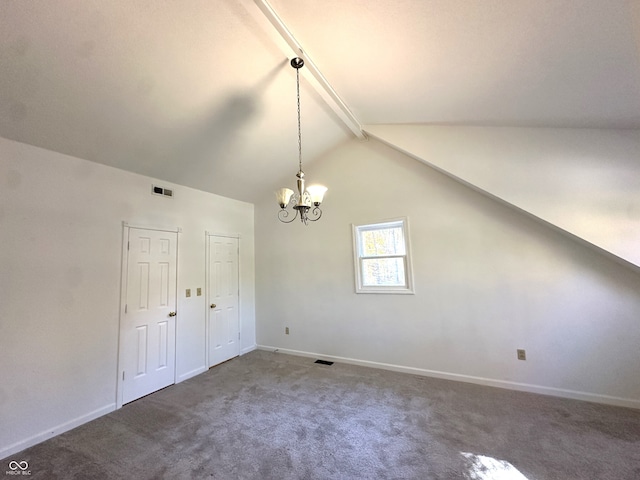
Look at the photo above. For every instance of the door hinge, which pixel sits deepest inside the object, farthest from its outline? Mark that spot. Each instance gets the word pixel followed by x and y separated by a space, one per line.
pixel 127 245
pixel 123 375
pixel 125 308
pixel 238 335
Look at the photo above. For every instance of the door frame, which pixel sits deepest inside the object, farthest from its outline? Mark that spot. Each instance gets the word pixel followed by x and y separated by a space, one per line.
pixel 126 226
pixel 207 272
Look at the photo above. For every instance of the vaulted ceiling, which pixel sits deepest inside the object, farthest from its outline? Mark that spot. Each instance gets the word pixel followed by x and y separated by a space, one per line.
pixel 200 92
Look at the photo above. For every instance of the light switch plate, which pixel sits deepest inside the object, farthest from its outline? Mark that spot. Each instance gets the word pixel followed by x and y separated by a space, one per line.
pixel 188 292
pixel 199 291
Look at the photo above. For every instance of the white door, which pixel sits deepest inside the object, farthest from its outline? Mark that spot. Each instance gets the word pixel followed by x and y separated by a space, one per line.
pixel 223 297
pixel 148 326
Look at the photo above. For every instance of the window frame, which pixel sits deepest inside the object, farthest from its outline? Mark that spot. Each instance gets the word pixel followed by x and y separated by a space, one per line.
pixel 408 288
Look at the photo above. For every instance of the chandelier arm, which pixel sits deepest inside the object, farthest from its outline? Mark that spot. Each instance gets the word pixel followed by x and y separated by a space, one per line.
pixel 317 213
pixel 284 214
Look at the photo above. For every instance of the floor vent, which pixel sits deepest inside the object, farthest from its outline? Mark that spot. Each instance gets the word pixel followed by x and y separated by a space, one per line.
pixel 323 362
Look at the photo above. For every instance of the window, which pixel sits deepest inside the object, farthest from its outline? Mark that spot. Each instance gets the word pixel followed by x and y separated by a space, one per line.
pixel 382 262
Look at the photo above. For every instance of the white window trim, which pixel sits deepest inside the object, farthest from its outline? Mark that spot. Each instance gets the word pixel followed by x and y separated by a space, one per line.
pixel 357 259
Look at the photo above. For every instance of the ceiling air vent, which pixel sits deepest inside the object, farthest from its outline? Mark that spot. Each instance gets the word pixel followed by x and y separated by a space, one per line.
pixel 165 192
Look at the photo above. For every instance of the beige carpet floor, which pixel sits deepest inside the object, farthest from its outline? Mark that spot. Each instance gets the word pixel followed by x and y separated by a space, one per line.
pixel 272 416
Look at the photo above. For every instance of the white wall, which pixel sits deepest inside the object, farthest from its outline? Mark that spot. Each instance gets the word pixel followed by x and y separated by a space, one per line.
pixel 60 268
pixel 488 280
pixel 584 181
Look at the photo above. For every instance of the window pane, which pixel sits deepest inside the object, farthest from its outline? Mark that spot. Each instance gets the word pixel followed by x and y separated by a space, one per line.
pixel 383 272
pixel 384 241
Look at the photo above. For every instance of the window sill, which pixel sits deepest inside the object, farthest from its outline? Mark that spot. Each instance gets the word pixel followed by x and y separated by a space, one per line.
pixel 387 291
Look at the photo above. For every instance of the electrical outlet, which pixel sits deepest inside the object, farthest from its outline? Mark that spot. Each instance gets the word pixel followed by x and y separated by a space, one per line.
pixel 522 355
pixel 286 330
pixel 199 291
pixel 188 292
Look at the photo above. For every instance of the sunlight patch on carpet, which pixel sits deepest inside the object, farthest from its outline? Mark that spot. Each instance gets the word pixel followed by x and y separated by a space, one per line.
pixel 482 467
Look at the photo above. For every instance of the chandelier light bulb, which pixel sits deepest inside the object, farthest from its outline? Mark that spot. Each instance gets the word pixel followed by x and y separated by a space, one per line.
pixel 283 195
pixel 317 193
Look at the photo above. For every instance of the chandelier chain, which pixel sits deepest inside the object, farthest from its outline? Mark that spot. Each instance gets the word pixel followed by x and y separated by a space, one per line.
pixel 299 128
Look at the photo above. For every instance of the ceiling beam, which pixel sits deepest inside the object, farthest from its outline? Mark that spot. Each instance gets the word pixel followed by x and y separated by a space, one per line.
pixel 319 82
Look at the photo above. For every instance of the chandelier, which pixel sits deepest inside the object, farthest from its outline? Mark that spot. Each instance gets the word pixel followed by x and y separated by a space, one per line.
pixel 302 201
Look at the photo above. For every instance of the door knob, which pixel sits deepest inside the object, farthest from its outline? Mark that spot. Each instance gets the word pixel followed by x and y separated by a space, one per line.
pixel 172 314
pixel 213 305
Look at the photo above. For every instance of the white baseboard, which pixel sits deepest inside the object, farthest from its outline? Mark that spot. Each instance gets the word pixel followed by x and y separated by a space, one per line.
pixel 248 349
pixel 490 382
pixel 57 430
pixel 192 373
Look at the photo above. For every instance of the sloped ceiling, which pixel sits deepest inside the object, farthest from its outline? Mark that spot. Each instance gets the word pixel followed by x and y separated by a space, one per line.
pixel 585 182
pixel 196 92
pixel 553 63
pixel 200 92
